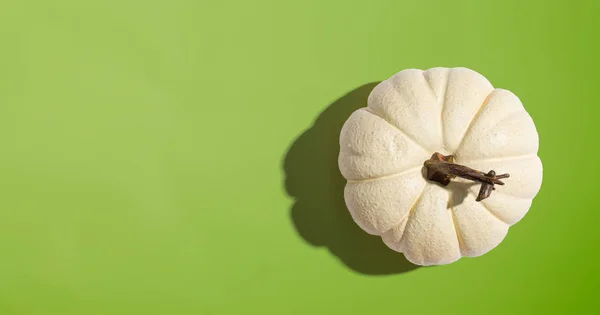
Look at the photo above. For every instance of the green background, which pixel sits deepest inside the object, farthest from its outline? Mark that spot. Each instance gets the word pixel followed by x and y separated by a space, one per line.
pixel 179 157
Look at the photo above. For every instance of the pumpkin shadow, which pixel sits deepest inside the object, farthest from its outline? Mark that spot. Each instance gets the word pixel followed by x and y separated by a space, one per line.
pixel 458 189
pixel 458 192
pixel 319 213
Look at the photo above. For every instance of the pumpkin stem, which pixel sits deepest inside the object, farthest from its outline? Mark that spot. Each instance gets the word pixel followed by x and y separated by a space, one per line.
pixel 442 169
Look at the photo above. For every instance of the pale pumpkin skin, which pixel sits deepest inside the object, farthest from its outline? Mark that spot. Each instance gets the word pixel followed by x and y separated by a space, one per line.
pixel 452 111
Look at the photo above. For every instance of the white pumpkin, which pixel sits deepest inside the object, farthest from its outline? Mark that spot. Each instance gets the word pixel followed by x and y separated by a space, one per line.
pixel 453 111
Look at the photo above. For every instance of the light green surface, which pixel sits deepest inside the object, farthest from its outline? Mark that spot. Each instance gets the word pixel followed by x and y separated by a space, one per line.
pixel 146 147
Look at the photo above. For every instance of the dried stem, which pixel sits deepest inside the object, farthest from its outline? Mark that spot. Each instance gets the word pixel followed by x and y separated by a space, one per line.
pixel 442 169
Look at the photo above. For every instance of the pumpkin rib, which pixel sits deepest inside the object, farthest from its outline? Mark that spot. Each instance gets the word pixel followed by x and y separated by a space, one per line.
pixel 496 159
pixel 442 106
pixel 492 213
pixel 409 214
pixel 500 121
pixel 500 192
pixel 457 231
pixel 509 216
pixel 396 174
pixel 392 91
pixel 479 230
pixel 371 111
pixel 474 119
pixel 430 86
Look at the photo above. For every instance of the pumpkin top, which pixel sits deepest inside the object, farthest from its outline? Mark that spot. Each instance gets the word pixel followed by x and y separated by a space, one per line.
pixel 452 111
